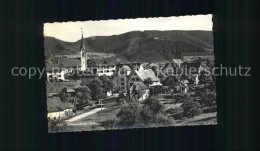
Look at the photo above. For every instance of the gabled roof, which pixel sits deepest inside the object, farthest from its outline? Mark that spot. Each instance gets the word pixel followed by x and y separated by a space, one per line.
pixel 126 67
pixel 145 74
pixel 54 104
pixel 55 67
pixel 185 81
pixel 177 61
pixel 68 105
pixel 69 62
pixel 106 61
pixel 138 86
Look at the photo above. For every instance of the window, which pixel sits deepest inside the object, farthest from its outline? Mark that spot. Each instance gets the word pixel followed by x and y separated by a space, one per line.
pixel 137 79
pixel 133 79
pixel 122 83
pixel 122 79
pixel 131 84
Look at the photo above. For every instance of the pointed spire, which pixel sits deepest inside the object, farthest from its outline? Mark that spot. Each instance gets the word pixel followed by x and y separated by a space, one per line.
pixel 82 46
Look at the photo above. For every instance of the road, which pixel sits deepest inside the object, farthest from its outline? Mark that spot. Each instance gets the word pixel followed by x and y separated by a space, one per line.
pixel 83 115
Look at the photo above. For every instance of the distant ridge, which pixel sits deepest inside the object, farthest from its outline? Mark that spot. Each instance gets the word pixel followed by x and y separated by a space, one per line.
pixel 145 46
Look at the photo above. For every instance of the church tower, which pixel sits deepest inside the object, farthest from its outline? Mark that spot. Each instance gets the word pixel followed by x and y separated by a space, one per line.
pixel 82 54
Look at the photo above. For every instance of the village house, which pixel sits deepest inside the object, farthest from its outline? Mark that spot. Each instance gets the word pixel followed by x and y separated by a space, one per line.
pixel 53 89
pixel 55 73
pixel 139 91
pixel 58 109
pixel 177 62
pixel 69 65
pixel 141 75
pixel 105 66
pixel 193 70
pixel 122 73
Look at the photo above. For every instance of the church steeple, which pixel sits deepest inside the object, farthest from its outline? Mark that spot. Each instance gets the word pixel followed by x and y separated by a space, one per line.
pixel 83 55
pixel 82 46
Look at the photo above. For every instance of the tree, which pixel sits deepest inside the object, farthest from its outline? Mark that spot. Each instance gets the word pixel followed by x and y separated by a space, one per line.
pixel 147 114
pixel 129 115
pixel 204 78
pixel 83 95
pixel 208 99
pixel 170 81
pixel 108 84
pixel 154 104
pixel 91 62
pixel 97 91
pixel 190 107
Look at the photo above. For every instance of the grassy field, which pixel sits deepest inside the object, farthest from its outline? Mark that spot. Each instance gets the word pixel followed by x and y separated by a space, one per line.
pixel 93 121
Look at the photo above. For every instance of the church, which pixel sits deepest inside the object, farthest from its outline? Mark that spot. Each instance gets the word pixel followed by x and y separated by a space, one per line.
pixel 101 63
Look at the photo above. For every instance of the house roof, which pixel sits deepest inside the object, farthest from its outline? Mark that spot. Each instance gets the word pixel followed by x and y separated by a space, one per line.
pixel 126 67
pixel 50 67
pixel 54 104
pixel 177 61
pixel 185 81
pixel 138 86
pixel 68 105
pixel 69 62
pixel 106 61
pixel 145 74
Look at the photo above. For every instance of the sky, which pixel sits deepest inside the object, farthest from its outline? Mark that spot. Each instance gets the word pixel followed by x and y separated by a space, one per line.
pixel 71 31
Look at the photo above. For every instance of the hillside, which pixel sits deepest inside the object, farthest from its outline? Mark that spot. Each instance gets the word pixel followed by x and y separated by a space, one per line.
pixel 137 45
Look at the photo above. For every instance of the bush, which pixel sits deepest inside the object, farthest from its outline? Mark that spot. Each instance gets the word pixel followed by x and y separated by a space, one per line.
pixel 147 114
pixel 129 115
pixel 191 108
pixel 208 99
pixel 154 104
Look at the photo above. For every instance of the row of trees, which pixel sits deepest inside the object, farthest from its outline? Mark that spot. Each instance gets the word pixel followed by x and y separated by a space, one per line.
pixel 87 94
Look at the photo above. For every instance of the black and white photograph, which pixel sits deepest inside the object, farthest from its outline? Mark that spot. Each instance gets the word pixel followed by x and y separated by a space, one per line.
pixel 130 73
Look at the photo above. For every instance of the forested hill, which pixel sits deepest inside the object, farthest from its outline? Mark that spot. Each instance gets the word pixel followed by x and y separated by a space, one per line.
pixel 146 46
